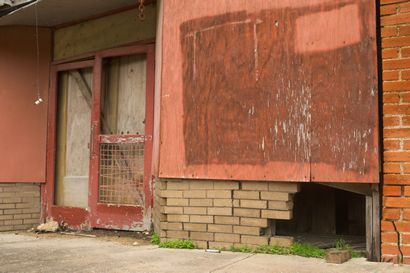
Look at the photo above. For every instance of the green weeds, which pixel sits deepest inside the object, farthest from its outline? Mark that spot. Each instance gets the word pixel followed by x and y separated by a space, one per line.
pixel 342 245
pixel 181 244
pixel 155 239
pixel 299 249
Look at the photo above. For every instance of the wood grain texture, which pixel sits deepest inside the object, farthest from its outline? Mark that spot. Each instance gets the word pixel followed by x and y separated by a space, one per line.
pixel 273 90
pixel 102 33
pixel 73 153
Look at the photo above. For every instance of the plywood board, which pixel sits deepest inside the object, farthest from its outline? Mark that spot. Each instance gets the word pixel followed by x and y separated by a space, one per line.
pixel 106 32
pixel 73 153
pixel 131 97
pixel 78 129
pixel 269 90
pixel 124 94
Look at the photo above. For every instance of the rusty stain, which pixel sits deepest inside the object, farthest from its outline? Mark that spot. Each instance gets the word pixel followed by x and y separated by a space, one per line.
pixel 124 138
pixel 256 91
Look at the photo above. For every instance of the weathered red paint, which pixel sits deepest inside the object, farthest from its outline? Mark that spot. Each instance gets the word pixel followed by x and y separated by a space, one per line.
pixel 48 205
pixel 121 217
pixel 270 90
pixel 123 138
pixel 23 125
pixel 101 215
pixel 73 218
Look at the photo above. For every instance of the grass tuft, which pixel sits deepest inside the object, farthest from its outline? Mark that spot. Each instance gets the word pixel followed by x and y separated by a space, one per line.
pixel 307 250
pixel 180 244
pixel 299 249
pixel 243 249
pixel 342 245
pixel 155 239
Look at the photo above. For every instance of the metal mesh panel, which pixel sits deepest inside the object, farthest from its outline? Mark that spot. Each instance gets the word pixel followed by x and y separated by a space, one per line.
pixel 121 178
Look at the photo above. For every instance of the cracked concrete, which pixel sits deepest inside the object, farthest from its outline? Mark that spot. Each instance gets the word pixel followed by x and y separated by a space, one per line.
pixel 20 253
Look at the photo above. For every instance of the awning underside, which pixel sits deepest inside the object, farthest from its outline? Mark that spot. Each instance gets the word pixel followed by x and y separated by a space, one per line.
pixel 54 13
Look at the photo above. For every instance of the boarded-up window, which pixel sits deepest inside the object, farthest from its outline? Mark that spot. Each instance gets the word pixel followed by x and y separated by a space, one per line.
pixel 270 90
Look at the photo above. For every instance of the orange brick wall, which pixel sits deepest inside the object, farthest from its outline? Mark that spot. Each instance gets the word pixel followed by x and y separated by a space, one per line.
pixel 395 32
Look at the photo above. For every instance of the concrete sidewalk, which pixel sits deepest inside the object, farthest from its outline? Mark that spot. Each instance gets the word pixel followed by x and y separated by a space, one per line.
pixel 20 253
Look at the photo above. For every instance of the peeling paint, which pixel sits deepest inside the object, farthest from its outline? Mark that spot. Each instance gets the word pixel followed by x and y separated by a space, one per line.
pixel 252 97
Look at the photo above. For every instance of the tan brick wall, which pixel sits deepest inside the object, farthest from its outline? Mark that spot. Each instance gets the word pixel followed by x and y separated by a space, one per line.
pixel 222 213
pixel 19 206
pixel 157 216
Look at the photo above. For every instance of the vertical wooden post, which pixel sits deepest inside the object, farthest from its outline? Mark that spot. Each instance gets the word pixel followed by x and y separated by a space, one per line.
pixel 157 94
pixel 271 229
pixel 373 224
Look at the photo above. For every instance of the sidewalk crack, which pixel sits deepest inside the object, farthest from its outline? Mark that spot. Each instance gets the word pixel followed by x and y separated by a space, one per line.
pixel 234 262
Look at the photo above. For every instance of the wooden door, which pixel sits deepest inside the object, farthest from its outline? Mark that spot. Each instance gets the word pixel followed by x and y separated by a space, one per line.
pixel 68 153
pixel 121 131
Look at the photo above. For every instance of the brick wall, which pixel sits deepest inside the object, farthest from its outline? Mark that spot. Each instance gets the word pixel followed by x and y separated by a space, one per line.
pixel 219 214
pixel 395 31
pixel 19 206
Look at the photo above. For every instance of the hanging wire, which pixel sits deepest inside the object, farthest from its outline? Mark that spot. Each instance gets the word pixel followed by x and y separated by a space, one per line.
pixel 39 99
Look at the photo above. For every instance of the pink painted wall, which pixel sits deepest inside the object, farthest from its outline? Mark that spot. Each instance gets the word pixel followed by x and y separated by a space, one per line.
pixel 23 125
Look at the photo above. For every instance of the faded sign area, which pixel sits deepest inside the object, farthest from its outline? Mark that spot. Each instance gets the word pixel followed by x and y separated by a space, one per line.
pixel 282 87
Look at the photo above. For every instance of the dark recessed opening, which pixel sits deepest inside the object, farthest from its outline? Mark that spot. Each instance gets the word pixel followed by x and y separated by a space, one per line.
pixel 322 215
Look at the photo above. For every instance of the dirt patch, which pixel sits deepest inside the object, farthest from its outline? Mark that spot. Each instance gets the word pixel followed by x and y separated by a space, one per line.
pixel 122 237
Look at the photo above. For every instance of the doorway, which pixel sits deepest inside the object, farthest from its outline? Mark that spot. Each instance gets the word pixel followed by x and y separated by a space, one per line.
pixel 100 141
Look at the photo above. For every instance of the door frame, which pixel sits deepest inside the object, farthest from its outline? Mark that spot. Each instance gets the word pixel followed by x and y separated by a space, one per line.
pixel 80 218
pixel 72 216
pixel 114 216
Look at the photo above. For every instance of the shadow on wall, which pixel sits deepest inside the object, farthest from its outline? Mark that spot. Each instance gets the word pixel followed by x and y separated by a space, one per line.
pixel 262 87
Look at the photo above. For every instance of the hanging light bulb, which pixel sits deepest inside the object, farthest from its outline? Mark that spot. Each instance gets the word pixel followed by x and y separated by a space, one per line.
pixel 39 99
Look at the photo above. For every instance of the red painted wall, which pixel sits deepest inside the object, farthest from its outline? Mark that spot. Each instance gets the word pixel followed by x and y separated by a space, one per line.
pixel 22 123
pixel 239 99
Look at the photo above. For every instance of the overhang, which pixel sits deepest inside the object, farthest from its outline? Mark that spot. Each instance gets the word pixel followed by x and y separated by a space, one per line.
pixel 57 12
pixel 8 6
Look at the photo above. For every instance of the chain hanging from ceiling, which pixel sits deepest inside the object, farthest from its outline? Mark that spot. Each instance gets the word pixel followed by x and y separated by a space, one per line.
pixel 141 14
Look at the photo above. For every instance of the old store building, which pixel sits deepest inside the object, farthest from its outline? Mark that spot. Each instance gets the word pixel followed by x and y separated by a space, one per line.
pixel 229 122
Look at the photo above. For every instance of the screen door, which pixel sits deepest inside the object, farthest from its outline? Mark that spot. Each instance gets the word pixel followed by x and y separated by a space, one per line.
pixel 122 139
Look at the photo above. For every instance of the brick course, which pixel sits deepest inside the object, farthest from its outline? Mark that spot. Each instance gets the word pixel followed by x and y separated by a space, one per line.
pixel 395 32
pixel 219 214
pixel 19 206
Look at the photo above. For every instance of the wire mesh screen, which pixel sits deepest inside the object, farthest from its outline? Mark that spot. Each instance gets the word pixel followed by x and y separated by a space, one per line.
pixel 121 178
